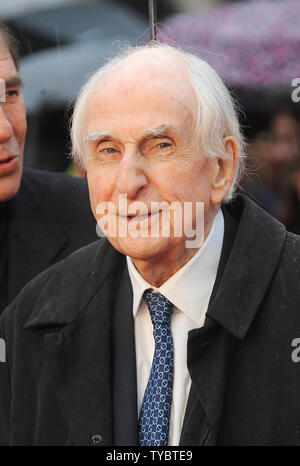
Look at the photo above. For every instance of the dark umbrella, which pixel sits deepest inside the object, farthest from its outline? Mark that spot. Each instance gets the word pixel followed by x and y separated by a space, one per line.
pixel 53 76
pixel 152 19
pixel 64 24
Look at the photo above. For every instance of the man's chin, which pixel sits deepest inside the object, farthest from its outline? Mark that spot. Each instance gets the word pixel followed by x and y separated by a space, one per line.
pixel 140 248
pixel 9 186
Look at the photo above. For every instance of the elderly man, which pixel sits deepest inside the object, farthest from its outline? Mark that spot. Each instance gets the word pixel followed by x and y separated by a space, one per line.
pixel 43 216
pixel 181 327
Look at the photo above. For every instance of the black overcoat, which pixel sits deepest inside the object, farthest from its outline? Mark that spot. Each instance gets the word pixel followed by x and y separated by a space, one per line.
pixel 48 219
pixel 69 376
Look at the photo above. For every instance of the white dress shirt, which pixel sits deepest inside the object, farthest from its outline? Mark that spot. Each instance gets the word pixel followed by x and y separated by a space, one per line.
pixel 189 289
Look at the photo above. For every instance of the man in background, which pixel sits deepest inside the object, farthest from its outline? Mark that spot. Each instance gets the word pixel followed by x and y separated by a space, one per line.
pixel 43 216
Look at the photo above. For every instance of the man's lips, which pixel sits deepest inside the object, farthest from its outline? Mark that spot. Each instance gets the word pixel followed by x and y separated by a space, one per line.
pixel 7 158
pixel 138 216
pixel 8 164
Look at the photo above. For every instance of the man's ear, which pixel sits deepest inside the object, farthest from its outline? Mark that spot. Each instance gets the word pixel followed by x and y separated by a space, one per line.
pixel 224 171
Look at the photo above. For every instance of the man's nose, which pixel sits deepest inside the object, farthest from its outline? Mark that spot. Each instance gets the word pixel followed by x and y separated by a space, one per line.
pixel 6 129
pixel 131 174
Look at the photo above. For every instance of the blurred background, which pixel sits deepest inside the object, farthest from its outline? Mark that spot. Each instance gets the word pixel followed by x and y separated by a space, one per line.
pixel 253 44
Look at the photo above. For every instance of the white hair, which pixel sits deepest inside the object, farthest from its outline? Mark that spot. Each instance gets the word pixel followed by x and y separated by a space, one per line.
pixel 216 115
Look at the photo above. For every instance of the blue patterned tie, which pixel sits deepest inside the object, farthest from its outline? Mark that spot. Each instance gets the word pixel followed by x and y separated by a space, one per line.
pixel 155 411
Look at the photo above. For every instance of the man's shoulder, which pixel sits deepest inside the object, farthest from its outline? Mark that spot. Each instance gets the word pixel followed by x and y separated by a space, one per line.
pixel 79 266
pixel 62 197
pixel 251 219
pixel 54 183
pixel 291 252
pixel 60 290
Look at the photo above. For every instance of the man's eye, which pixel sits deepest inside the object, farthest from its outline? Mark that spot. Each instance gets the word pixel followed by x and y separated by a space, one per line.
pixel 107 150
pixel 164 145
pixel 12 95
pixel 110 150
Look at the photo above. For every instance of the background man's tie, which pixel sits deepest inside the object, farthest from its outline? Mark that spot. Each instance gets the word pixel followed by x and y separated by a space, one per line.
pixel 154 418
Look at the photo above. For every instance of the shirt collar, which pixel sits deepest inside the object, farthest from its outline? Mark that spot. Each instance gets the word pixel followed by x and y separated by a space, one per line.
pixel 189 289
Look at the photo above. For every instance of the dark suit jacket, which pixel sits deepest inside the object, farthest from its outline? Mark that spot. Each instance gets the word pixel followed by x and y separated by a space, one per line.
pixel 70 373
pixel 49 218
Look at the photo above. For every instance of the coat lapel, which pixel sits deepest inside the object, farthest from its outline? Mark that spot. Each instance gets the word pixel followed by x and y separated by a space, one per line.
pixel 245 272
pixel 77 327
pixel 124 368
pixel 35 238
pixel 251 265
pixel 79 358
pixel 210 350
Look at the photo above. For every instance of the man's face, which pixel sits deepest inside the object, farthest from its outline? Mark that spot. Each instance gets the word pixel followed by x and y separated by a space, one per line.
pixel 12 126
pixel 138 123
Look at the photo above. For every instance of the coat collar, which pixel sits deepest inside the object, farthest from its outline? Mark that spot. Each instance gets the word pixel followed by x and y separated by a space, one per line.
pixel 73 283
pixel 247 266
pixel 250 267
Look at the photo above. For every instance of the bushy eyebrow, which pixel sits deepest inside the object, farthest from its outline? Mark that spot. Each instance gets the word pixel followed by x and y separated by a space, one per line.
pixel 161 130
pixel 156 132
pixel 14 81
pixel 97 135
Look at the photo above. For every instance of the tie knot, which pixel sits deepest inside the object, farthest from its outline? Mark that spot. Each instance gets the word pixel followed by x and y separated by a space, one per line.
pixel 160 308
